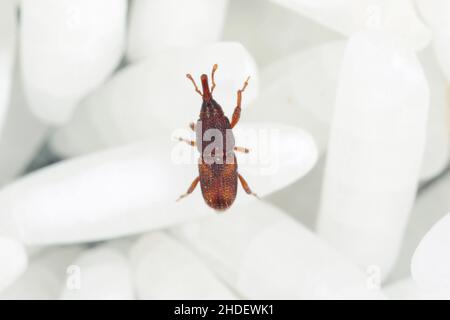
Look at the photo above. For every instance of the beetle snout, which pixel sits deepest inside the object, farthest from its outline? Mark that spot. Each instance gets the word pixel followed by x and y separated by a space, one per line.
pixel 205 87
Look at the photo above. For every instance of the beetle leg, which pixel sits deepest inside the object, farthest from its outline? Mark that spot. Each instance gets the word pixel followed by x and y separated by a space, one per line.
pixel 246 187
pixel 212 77
pixel 237 110
pixel 241 149
pixel 192 126
pixel 189 142
pixel 195 85
pixel 191 188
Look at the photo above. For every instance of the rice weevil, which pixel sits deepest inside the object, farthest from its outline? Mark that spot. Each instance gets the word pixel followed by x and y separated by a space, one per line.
pixel 218 170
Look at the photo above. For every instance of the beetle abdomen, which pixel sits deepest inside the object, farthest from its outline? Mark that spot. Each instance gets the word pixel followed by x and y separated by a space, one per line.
pixel 218 183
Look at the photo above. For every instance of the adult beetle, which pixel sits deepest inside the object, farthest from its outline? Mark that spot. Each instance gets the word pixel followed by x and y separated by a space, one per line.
pixel 218 170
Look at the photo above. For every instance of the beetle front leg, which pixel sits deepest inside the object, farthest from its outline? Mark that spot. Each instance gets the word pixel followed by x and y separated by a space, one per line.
pixel 246 187
pixel 192 126
pixel 191 188
pixel 237 111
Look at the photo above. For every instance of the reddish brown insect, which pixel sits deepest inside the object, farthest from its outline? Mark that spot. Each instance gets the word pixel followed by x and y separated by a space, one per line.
pixel 218 174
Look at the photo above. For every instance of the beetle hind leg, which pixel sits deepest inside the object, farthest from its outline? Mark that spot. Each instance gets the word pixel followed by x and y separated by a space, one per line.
pixel 246 187
pixel 191 188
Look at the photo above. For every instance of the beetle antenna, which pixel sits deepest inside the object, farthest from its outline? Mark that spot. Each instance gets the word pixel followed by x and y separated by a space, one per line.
pixel 195 85
pixel 212 77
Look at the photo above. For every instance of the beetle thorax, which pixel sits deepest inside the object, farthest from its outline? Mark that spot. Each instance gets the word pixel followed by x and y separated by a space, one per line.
pixel 215 139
